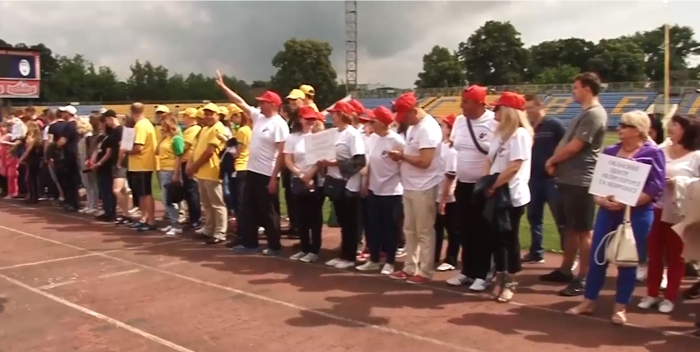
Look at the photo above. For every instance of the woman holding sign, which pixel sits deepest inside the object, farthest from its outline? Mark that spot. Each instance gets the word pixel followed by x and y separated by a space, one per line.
pixel 634 144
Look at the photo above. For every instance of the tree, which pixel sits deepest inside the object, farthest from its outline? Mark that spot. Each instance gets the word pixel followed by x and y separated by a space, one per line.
pixel 682 44
pixel 305 62
pixel 558 74
pixel 441 68
pixel 557 54
pixel 618 60
pixel 494 55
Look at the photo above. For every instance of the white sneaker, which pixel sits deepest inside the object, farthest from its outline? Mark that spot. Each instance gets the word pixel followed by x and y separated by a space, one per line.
pixel 90 211
pixel 309 258
pixel 166 229
pixel 445 267
pixel 369 266
pixel 298 256
pixel 261 230
pixel 174 231
pixel 333 262
pixel 83 210
pixel 642 272
pixel 459 280
pixel 344 264
pixel 664 282
pixel 200 231
pixel 387 269
pixel 648 302
pixel 666 306
pixel 479 285
pixel 133 211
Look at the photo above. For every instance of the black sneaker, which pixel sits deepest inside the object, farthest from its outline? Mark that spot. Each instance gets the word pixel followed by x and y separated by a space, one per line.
pixel 693 292
pixel 213 240
pixel 557 276
pixel 104 218
pixel 532 258
pixel 574 289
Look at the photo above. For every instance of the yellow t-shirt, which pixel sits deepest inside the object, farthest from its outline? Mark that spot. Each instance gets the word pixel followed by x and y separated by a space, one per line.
pixel 166 152
pixel 313 106
pixel 208 136
pixel 145 135
pixel 190 137
pixel 243 137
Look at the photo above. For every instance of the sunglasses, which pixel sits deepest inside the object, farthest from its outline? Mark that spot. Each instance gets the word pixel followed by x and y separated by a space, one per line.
pixel 624 125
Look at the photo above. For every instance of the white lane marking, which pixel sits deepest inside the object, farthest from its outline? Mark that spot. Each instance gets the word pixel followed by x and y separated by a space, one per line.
pixel 101 277
pixel 99 316
pixel 251 295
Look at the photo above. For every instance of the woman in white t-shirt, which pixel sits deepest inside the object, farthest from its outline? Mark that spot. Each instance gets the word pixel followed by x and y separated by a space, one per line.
pixel 510 157
pixel 342 182
pixel 447 218
pixel 362 121
pixel 383 190
pixel 682 153
pixel 306 190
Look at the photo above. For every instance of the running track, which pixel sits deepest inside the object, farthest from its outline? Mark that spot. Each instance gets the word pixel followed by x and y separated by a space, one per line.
pixel 70 284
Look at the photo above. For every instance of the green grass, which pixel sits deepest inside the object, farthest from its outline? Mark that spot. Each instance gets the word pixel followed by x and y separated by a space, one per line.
pixel 551 236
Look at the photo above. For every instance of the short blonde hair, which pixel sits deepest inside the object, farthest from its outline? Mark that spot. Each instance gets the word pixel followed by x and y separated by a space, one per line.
pixel 84 125
pixel 637 119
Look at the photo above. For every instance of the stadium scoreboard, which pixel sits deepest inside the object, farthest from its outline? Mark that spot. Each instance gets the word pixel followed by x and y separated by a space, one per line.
pixel 20 73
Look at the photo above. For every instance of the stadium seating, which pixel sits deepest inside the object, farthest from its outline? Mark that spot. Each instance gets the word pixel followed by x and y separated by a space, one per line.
pixel 619 103
pixel 674 99
pixel 561 106
pixel 444 106
pixel 690 104
pixel 373 103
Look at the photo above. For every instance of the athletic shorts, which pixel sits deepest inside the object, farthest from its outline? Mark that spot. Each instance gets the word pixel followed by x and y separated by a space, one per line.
pixel 140 183
pixel 577 207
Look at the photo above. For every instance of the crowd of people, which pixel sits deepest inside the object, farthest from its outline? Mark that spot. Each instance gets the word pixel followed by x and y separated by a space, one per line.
pixel 402 183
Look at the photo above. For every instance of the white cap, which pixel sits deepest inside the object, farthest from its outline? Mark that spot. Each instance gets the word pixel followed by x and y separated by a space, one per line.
pixel 102 111
pixel 69 109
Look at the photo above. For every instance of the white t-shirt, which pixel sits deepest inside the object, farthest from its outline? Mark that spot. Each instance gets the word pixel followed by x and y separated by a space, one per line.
pixel 384 173
pixel 426 134
pixel 686 166
pixel 470 166
pixel 267 132
pixel 517 147
pixel 448 165
pixel 348 144
pixel 297 148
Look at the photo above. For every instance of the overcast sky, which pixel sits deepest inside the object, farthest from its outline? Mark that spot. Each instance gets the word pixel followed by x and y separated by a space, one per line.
pixel 242 37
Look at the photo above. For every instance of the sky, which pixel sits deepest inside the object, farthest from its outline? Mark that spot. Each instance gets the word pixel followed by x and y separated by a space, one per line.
pixel 240 38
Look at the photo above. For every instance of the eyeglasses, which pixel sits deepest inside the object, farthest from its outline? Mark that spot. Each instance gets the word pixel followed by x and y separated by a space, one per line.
pixel 624 125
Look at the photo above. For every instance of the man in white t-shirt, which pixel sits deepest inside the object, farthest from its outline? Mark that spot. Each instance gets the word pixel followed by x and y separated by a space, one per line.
pixel 265 160
pixel 420 177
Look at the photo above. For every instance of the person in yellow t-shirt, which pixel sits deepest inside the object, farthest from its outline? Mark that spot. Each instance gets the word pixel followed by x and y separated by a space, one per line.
pixel 205 166
pixel 142 164
pixel 309 94
pixel 240 164
pixel 189 184
pixel 170 150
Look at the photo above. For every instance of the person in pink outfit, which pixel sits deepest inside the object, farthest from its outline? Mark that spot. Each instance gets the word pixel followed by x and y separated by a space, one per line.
pixel 10 163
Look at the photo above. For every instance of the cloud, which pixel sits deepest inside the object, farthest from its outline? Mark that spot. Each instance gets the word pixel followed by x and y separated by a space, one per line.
pixel 242 37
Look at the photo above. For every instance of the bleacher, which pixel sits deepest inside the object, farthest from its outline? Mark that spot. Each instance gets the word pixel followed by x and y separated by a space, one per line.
pixel 690 104
pixel 565 108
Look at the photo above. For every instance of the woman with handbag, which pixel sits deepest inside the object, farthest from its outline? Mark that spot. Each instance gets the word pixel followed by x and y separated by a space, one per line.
pixel 169 152
pixel 383 192
pixel 305 188
pixel 342 182
pixel 634 144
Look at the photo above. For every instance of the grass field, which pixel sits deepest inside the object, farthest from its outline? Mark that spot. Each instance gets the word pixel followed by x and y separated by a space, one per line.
pixel 551 237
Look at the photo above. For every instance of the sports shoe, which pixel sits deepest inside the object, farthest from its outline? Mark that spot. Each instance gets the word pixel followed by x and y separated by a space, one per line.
pixel 648 302
pixel 309 258
pixel 387 269
pixel 479 285
pixel 333 262
pixel 666 306
pixel 297 256
pixel 445 267
pixel 174 231
pixel 459 280
pixel 344 264
pixel 369 266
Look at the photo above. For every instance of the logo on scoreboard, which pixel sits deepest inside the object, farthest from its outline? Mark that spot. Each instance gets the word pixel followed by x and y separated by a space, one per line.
pixel 24 68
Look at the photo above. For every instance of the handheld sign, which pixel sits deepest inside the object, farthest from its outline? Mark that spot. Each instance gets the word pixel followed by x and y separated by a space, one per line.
pixel 619 177
pixel 320 146
pixel 128 137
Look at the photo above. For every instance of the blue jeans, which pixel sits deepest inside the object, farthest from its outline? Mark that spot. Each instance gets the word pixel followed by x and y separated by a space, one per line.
pixel 164 177
pixel 104 189
pixel 226 183
pixel 543 191
pixel 382 224
pixel 607 221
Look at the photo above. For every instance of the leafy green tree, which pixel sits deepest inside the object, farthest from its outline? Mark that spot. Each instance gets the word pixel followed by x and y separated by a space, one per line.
pixel 557 74
pixel 441 68
pixel 683 46
pixel 557 55
pixel 618 60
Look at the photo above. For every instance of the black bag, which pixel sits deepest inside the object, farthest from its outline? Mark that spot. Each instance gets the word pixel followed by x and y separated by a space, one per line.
pixel 333 187
pixel 298 187
pixel 174 192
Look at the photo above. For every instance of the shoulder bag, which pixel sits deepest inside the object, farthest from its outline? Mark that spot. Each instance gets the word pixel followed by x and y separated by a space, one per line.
pixel 620 245
pixel 476 142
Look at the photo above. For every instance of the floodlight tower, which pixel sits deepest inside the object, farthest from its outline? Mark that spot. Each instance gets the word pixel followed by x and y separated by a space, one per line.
pixel 350 46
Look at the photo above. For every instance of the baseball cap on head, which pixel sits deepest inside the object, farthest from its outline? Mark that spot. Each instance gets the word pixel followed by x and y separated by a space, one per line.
pixel 403 104
pixel 223 110
pixel 307 113
pixel 511 100
pixel 109 113
pixel 343 107
pixel 449 120
pixel 190 112
pixel 369 114
pixel 211 107
pixel 307 90
pixel 475 93
pixel 270 97
pixel 234 109
pixel 359 108
pixel 69 109
pixel 162 109
pixel 295 94
pixel 383 115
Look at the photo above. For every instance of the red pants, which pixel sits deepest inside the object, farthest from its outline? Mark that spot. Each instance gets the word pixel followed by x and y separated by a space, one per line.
pixel 664 242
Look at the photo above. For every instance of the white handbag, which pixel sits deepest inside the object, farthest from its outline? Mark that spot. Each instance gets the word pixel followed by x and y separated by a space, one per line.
pixel 620 245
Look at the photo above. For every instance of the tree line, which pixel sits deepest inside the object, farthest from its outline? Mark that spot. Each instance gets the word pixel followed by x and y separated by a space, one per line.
pixel 495 55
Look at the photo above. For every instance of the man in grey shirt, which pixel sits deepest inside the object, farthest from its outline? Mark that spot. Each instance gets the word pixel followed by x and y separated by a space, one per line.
pixel 573 163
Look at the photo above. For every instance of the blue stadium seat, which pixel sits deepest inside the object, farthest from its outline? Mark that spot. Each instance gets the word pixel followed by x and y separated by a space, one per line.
pixel 562 106
pixel 373 103
pixel 618 103
pixel 86 110
pixel 690 104
pixel 659 100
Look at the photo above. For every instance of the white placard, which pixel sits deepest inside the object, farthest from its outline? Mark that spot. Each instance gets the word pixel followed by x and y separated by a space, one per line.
pixel 619 177
pixel 128 137
pixel 320 146
pixel 17 131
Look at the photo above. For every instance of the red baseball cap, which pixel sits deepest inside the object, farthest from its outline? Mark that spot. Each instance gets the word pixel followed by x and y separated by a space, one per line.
pixel 474 93
pixel 369 114
pixel 403 104
pixel 383 115
pixel 307 113
pixel 343 107
pixel 449 120
pixel 511 100
pixel 270 97
pixel 321 116
pixel 359 108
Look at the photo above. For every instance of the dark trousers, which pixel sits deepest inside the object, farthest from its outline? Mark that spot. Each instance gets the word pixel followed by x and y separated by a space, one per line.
pixel 238 185
pixel 259 208
pixel 226 186
pixel 22 177
pixel 382 224
pixel 32 182
pixel 362 222
pixel 506 244
pixel 347 212
pixel 135 196
pixel 544 192
pixel 104 189
pixel 311 224
pixel 191 195
pixel 69 178
pixel 3 184
pixel 447 223
pixel 473 232
pixel 47 183
pixel 292 212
